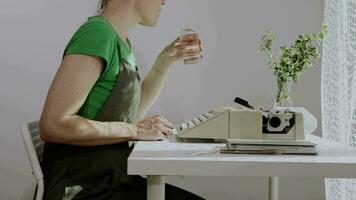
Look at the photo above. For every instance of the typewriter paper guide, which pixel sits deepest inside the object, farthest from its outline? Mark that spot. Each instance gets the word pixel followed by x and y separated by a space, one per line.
pixel 228 123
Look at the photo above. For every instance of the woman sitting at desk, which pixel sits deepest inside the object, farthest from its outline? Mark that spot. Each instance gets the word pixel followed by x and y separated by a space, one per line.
pixel 97 103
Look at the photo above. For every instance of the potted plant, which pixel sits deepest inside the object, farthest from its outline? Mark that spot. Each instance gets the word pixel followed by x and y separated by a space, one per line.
pixel 292 61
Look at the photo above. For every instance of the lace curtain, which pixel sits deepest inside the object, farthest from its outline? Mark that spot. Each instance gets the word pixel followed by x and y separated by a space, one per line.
pixel 338 87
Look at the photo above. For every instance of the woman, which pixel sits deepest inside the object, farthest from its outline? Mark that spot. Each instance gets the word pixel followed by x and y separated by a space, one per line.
pixel 97 103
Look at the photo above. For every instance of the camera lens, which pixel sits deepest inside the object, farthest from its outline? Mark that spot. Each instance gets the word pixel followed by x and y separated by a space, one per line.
pixel 275 122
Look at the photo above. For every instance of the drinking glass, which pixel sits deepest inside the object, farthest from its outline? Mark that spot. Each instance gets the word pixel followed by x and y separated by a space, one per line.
pixel 187 35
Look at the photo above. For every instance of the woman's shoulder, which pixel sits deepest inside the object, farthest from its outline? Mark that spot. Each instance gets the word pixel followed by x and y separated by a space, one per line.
pixel 96 26
pixel 94 37
pixel 96 20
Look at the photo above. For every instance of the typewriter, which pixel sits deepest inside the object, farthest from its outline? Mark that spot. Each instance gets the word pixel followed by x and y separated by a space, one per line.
pixel 246 125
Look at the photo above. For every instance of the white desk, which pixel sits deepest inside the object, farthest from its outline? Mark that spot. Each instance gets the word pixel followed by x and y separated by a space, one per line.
pixel 159 159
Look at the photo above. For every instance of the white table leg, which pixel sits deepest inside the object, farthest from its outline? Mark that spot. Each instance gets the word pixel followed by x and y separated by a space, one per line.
pixel 272 188
pixel 155 187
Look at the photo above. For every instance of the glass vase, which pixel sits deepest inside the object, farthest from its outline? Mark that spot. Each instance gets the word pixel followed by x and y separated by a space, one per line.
pixel 284 93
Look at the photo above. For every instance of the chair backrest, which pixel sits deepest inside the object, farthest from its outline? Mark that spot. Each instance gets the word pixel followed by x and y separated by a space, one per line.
pixel 34 146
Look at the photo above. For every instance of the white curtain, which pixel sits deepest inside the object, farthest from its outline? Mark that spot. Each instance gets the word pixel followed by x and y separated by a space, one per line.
pixel 338 87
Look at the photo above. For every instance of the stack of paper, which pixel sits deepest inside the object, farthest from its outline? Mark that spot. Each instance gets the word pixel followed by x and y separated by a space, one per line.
pixel 272 147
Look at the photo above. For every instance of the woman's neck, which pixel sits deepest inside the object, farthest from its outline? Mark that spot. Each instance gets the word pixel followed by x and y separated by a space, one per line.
pixel 121 15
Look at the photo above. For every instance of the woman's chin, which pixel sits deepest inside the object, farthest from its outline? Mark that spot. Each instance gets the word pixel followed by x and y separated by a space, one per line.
pixel 150 23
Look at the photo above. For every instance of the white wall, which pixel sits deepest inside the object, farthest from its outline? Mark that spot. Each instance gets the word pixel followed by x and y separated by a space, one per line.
pixel 34 33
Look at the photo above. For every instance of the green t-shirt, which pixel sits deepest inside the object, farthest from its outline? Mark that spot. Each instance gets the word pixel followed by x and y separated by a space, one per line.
pixel 96 37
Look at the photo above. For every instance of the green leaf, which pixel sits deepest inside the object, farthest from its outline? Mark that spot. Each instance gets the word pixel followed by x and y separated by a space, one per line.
pixel 295 59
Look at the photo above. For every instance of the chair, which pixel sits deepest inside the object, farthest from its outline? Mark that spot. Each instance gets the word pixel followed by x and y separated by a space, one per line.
pixel 34 147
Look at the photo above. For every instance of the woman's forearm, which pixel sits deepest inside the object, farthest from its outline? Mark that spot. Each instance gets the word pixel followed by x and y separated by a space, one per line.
pixel 76 130
pixel 152 86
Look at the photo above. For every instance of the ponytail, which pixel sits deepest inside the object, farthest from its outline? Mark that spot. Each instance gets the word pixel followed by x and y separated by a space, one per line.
pixel 101 5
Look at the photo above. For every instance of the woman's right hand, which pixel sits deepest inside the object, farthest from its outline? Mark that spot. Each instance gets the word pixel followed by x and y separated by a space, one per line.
pixel 153 128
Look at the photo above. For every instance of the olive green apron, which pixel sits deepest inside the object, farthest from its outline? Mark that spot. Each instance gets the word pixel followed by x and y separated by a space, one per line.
pixel 75 172
pixel 100 172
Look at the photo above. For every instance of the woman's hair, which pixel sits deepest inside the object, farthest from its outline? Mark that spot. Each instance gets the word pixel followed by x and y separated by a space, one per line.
pixel 101 5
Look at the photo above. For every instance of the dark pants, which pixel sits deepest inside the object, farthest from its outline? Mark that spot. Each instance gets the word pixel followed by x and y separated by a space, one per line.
pixel 96 173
